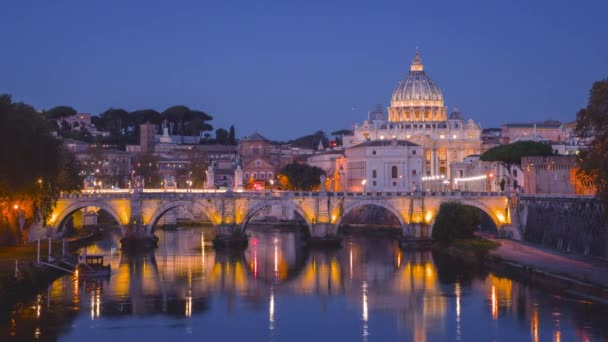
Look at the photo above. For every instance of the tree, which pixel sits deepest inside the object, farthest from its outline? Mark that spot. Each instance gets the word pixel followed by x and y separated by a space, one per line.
pixel 113 120
pixel 59 112
pixel 340 134
pixel 201 117
pixel 231 136
pixel 592 126
pixel 35 168
pixel 455 221
pixel 222 136
pixel 187 121
pixel 310 141
pixel 296 176
pixel 510 155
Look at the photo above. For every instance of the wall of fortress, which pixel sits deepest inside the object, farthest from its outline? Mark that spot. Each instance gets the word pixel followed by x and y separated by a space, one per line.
pixel 570 224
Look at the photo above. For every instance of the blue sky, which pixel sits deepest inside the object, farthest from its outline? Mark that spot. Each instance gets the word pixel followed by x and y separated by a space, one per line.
pixel 288 68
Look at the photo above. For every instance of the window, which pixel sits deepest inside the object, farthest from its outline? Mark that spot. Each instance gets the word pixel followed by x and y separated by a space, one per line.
pixel 514 173
pixel 269 175
pixel 262 175
pixel 394 183
pixel 461 173
pixel 374 183
pixel 374 174
pixel 413 172
pixel 246 175
pixel 255 175
pixel 413 151
pixel 394 172
pixel 258 163
pixel 374 152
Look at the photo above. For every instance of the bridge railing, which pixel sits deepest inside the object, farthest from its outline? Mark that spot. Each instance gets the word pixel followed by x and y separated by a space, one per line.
pixel 542 196
pixel 85 195
pixel 182 193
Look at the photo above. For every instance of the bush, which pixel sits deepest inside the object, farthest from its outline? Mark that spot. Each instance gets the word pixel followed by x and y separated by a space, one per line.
pixel 455 221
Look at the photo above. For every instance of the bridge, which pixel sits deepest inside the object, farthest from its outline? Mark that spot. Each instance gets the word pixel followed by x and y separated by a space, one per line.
pixel 138 211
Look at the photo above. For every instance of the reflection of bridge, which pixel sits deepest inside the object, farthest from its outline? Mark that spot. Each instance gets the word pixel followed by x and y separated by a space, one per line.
pixel 229 212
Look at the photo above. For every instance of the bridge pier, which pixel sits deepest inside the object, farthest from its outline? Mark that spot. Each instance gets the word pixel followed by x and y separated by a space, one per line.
pixel 324 234
pixel 137 238
pixel 415 235
pixel 229 236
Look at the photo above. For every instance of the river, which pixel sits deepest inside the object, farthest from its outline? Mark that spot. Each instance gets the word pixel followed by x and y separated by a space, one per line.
pixel 368 290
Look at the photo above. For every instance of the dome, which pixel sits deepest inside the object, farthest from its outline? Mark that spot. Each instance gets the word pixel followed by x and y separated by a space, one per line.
pixel 417 90
pixel 456 115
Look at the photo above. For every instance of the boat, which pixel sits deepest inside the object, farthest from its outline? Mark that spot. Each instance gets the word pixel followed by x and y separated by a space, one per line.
pixel 92 266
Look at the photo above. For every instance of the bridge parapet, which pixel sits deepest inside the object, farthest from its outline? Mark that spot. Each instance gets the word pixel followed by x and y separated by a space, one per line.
pixel 232 210
pixel 91 195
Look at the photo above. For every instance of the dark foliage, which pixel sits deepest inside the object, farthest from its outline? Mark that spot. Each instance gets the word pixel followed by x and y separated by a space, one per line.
pixel 35 166
pixel 59 112
pixel 455 221
pixel 300 177
pixel 592 125
pixel 511 154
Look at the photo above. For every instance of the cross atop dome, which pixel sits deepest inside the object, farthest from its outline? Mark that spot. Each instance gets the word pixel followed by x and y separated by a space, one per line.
pixel 416 62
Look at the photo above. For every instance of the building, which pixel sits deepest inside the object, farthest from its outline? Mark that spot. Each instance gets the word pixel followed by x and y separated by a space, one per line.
pixel 108 165
pixel 147 137
pixel 473 174
pixel 550 130
pixel 262 160
pixel 417 114
pixel 553 175
pixel 377 114
pixel 383 165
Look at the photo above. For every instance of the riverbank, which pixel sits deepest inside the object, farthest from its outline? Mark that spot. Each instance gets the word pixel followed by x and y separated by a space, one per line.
pixel 26 278
pixel 584 278
pixel 581 277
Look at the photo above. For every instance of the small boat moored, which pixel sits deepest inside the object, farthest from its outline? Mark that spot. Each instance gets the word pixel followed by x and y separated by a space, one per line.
pixel 92 266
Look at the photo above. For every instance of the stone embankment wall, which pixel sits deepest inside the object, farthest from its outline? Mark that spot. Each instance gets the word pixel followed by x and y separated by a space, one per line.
pixel 572 224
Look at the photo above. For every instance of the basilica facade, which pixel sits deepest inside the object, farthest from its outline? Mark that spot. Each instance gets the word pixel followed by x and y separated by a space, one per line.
pixel 418 115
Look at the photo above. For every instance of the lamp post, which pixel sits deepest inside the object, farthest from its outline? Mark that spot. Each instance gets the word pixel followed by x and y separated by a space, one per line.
pixel 42 202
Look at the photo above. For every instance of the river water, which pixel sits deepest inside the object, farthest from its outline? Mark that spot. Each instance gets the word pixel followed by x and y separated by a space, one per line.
pixel 368 290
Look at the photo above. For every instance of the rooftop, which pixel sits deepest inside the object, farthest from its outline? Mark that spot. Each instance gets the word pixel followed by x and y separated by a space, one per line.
pixel 254 137
pixel 542 124
pixel 385 143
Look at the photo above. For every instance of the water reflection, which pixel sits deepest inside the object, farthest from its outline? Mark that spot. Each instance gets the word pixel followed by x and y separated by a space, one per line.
pixel 276 284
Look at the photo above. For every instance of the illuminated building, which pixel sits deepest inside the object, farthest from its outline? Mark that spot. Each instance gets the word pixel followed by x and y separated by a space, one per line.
pixel 383 165
pixel 417 114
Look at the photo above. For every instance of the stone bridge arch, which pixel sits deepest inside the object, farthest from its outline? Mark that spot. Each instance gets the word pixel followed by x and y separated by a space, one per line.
pixel 257 206
pixel 492 214
pixel 209 210
pixel 59 218
pixel 382 204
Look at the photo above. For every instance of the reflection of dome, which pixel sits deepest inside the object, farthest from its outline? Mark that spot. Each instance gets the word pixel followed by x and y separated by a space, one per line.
pixel 417 89
pixel 456 115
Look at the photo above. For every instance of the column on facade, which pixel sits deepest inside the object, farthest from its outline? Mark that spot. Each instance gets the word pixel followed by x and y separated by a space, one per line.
pixel 447 162
pixel 435 162
pixel 431 164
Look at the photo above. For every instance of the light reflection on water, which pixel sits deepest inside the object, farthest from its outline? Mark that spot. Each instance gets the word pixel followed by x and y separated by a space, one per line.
pixel 276 290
